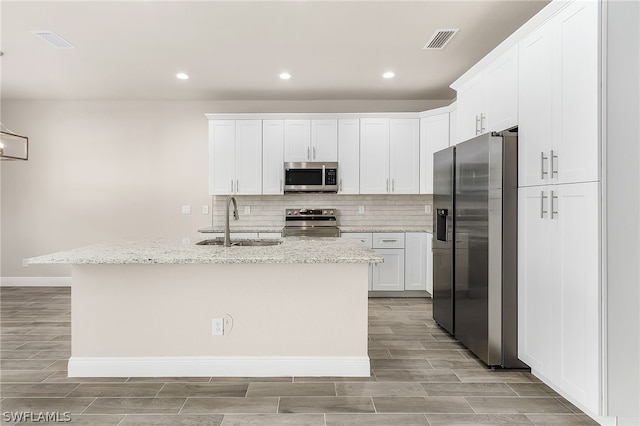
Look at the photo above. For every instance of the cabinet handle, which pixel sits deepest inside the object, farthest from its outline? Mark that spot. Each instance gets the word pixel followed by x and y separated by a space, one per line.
pixel 232 186
pixel 554 171
pixel 482 118
pixel 308 154
pixel 340 184
pixel 477 125
pixel 389 241
pixel 393 185
pixel 314 152
pixel 237 186
pixel 387 185
pixel 542 171
pixel 553 212
pixel 542 210
pixel 281 187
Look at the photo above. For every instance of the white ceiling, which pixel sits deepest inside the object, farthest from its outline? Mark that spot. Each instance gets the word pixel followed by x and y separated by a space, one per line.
pixel 235 50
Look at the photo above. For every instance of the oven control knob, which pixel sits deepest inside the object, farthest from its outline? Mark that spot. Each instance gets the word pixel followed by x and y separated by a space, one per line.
pixel 331 212
pixel 325 212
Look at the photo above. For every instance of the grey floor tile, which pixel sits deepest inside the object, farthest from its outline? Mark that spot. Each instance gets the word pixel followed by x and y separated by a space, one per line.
pixel 52 354
pixel 61 377
pixel 230 405
pixel 167 379
pixel 21 354
pixel 456 364
pixel 24 376
pixel 91 420
pixel 135 406
pixel 532 389
pixel 334 379
pixel 376 420
pixel 380 389
pixel 122 390
pixel 395 344
pixel 203 390
pixel 321 404
pixel 427 354
pixel 25 364
pixel 273 420
pixel 561 419
pixel 405 375
pixel 51 390
pixel 379 354
pixel 45 345
pixel 432 404
pixel 468 389
pixel 36 405
pixel 291 389
pixel 491 376
pixel 171 420
pixel 400 364
pixel 477 419
pixel 517 405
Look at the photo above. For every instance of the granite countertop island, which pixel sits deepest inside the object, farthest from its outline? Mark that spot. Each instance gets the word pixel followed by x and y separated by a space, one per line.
pixel 162 307
pixel 171 251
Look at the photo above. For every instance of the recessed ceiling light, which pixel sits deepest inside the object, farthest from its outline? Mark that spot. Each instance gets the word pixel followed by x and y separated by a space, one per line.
pixel 285 76
pixel 389 74
pixel 182 76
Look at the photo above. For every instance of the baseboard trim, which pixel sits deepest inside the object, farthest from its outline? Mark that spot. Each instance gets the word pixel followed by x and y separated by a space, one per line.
pixel 35 281
pixel 220 366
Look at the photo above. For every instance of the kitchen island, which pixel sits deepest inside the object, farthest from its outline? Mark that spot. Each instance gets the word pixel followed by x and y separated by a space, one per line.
pixel 173 308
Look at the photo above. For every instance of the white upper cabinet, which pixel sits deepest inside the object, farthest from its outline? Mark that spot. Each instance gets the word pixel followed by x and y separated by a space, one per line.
pixel 297 140
pixel 235 157
pixel 535 106
pixel 404 155
pixel 374 156
pixel 310 140
pixel 348 156
pixel 558 129
pixel 324 140
pixel 489 100
pixel 389 156
pixel 273 156
pixel 434 136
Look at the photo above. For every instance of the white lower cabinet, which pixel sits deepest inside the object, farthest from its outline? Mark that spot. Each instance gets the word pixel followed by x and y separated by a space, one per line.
pixel 407 260
pixel 367 239
pixel 558 282
pixel 417 262
pixel 389 275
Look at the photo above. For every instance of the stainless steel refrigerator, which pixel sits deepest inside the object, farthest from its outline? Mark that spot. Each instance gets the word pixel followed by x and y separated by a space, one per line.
pixel 475 246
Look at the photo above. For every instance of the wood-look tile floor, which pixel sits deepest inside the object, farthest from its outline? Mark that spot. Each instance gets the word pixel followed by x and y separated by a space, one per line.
pixel 420 376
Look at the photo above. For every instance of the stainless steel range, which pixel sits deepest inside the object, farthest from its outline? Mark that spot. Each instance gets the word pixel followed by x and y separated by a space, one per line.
pixel 310 223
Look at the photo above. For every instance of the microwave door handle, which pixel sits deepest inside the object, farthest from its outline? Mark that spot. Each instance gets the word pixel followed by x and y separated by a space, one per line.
pixel 323 175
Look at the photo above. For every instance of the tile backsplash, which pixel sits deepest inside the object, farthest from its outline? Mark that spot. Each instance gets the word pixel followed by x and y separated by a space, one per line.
pixel 379 210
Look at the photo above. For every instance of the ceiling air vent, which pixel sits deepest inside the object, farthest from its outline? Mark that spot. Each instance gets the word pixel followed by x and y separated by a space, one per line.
pixel 440 38
pixel 54 39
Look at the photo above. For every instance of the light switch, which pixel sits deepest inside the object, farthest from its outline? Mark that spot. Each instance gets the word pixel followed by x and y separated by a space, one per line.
pixel 247 209
pixel 205 209
pixel 361 209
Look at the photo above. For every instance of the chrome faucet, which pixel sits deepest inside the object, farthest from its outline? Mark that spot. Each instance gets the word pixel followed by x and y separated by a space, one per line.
pixel 227 231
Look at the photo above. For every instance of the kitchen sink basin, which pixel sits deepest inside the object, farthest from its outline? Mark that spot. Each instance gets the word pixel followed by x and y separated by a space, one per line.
pixel 242 243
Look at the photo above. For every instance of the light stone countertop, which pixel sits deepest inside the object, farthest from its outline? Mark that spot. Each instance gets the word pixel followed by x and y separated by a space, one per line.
pixel 357 228
pixel 387 228
pixel 171 251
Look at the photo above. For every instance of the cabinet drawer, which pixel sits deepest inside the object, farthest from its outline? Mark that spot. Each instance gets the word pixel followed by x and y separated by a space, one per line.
pixel 388 240
pixel 365 237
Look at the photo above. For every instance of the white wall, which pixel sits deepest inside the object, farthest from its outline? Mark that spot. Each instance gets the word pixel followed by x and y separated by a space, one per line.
pixel 103 170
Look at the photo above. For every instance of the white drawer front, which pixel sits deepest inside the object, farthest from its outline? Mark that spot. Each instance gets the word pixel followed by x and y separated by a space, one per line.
pixel 388 240
pixel 365 237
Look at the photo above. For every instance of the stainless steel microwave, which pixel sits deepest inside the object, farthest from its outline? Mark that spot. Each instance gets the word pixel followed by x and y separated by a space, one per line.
pixel 310 177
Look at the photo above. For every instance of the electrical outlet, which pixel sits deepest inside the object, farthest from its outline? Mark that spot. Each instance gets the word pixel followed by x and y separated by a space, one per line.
pixel 361 209
pixel 427 209
pixel 247 209
pixel 205 209
pixel 186 209
pixel 217 327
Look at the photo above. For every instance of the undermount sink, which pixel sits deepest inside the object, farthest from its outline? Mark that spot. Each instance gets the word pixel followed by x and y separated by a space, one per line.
pixel 242 243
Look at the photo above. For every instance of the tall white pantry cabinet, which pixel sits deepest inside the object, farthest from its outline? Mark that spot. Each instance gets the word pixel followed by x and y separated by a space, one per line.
pixel 579 214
